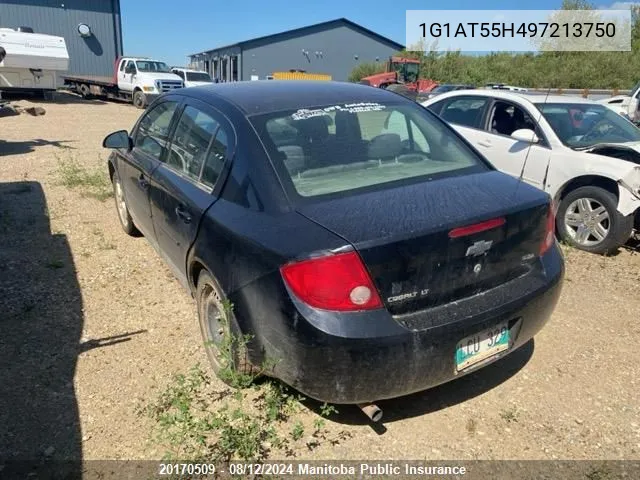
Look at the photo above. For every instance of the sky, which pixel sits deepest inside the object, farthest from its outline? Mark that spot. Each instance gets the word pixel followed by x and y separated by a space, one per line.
pixel 169 30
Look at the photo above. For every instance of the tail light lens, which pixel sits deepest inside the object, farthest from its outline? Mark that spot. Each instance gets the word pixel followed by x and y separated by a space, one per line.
pixel 549 231
pixel 477 228
pixel 335 282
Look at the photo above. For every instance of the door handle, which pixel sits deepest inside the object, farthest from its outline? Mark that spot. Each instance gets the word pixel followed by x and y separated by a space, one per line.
pixel 142 183
pixel 485 143
pixel 182 214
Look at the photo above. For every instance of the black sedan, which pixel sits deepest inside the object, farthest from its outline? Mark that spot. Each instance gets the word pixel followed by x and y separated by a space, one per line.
pixel 341 235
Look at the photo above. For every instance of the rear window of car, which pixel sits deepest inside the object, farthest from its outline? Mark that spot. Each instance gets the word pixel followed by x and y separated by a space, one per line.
pixel 349 147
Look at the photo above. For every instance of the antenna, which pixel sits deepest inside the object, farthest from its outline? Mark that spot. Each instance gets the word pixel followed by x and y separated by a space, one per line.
pixel 524 165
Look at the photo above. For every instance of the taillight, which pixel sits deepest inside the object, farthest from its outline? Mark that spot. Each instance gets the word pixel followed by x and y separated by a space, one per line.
pixel 334 282
pixel 549 231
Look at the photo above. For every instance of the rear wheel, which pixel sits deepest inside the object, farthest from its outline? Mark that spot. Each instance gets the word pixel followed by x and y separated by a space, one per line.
pixel 84 90
pixel 225 345
pixel 588 219
pixel 139 99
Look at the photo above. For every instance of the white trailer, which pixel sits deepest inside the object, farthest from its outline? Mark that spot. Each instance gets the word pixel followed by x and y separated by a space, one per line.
pixel 31 62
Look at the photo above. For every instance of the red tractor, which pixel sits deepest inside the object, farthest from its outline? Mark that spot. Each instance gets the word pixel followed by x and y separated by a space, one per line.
pixel 401 75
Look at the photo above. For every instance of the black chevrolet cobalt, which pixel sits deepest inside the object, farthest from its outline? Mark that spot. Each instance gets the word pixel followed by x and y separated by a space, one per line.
pixel 356 244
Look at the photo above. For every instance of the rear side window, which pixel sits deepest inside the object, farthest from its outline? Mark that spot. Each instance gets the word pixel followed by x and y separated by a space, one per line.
pixel 153 130
pixel 465 111
pixel 191 142
pixel 216 158
pixel 343 148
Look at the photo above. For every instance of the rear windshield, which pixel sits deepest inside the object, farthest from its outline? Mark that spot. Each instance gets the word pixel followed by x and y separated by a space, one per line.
pixel 348 147
pixel 198 77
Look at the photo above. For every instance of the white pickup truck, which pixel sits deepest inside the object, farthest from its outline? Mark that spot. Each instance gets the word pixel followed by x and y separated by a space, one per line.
pixel 626 105
pixel 135 79
pixel 192 78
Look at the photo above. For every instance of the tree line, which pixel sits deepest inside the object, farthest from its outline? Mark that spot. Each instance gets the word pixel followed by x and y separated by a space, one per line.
pixel 555 69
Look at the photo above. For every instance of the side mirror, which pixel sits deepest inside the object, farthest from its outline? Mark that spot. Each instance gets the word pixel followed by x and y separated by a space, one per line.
pixel 525 135
pixel 118 140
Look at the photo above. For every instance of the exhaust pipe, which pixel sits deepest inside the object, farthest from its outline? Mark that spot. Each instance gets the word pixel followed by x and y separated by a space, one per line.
pixel 372 411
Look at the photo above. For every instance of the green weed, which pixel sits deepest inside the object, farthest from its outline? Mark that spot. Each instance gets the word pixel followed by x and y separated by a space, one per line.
pixel 90 183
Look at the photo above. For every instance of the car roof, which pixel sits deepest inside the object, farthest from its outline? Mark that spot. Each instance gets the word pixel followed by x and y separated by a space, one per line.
pixel 265 96
pixel 190 70
pixel 539 97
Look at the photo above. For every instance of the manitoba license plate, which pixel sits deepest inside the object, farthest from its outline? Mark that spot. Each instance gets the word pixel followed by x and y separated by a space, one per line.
pixel 476 348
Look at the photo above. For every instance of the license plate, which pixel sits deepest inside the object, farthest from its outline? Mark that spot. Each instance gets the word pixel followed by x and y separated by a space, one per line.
pixel 476 348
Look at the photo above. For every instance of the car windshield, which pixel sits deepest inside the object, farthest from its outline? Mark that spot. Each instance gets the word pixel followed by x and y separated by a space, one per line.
pixel 149 66
pixel 347 147
pixel 198 77
pixel 580 125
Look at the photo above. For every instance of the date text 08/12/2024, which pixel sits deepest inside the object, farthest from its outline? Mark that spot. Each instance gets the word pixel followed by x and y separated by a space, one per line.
pixel 302 468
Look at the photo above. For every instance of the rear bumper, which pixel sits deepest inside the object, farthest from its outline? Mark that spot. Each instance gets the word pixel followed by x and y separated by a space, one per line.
pixel 373 356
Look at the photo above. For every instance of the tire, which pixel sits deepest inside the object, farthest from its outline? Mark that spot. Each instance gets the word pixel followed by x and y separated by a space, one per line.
pixel 588 219
pixel 122 208
pixel 85 91
pixel 139 99
pixel 224 343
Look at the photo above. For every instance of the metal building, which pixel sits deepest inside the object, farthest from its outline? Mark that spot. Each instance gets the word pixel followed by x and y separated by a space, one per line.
pixel 333 48
pixel 92 50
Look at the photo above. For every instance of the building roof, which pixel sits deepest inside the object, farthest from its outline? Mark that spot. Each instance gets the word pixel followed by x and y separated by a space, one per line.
pixel 302 30
pixel 265 96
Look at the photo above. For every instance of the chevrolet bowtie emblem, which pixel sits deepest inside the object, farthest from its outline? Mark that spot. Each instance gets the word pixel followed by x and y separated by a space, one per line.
pixel 479 248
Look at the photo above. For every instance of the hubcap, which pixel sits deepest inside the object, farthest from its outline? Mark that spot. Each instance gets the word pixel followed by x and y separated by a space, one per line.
pixel 120 203
pixel 587 222
pixel 215 324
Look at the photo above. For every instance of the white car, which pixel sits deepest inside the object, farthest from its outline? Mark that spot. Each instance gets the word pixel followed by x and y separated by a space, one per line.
pixel 586 156
pixel 502 86
pixel 192 78
pixel 626 105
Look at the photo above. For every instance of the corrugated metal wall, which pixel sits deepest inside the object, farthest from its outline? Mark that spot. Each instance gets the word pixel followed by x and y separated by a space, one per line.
pixel 334 51
pixel 93 55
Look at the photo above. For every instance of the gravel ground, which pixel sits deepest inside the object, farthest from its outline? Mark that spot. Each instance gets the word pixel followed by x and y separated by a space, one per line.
pixel 93 325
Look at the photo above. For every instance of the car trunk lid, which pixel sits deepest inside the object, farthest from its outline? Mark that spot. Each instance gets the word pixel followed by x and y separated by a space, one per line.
pixel 432 243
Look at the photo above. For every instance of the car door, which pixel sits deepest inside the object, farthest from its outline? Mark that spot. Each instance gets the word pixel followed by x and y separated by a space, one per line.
pixel 510 155
pixel 150 141
pixel 183 184
pixel 125 77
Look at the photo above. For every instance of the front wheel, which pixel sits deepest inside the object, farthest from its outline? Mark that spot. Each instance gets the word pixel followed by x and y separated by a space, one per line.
pixel 122 208
pixel 139 99
pixel 588 219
